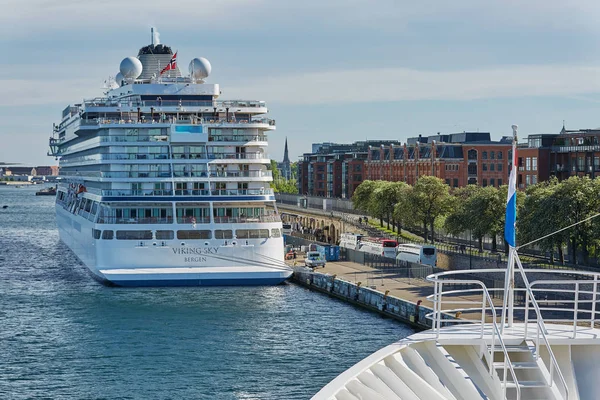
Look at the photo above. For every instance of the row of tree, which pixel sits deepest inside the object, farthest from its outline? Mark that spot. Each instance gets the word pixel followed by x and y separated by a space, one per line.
pixel 479 211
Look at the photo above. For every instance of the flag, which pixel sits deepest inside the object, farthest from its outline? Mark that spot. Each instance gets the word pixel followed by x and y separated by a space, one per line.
pixel 171 65
pixel 511 200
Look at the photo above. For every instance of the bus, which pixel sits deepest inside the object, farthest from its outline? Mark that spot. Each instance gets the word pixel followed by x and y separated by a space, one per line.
pixel 416 253
pixel 379 246
pixel 350 240
pixel 287 229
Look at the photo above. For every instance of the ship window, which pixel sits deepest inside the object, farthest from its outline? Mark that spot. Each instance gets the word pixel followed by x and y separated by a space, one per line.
pixel 88 206
pixel 252 233
pixel 95 208
pixel 275 232
pixel 164 235
pixel 194 234
pixel 134 235
pixel 96 233
pixel 107 235
pixel 223 234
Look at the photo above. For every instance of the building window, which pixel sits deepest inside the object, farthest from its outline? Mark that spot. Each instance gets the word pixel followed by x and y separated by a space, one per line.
pixel 492 181
pixel 499 169
pixel 527 180
pixel 580 164
pixel 528 164
pixel 534 179
pixel 492 155
pixel 484 184
pixel 448 181
pixel 499 155
pixel 534 164
pixel 484 155
pixel 499 182
pixel 472 154
pixel 455 182
pixel 472 181
pixel 492 166
pixel 485 167
pixel 597 163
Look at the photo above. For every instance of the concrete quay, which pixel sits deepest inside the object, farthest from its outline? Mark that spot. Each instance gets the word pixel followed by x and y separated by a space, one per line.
pixel 381 291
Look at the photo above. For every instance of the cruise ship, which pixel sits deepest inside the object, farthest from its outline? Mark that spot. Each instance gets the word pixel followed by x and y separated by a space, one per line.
pixel 164 184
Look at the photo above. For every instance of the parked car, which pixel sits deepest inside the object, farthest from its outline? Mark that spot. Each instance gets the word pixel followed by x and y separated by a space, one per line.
pixel 314 259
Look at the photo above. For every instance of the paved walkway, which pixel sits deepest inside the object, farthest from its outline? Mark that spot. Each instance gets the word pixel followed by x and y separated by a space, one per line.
pixel 411 289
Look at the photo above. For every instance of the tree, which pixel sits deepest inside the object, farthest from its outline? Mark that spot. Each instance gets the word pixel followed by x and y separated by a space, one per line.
pixel 429 200
pixel 361 198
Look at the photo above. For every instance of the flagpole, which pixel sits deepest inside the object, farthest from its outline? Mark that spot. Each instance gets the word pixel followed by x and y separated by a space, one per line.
pixel 510 236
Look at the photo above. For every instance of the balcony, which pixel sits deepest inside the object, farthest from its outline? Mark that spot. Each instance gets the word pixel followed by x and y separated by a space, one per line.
pixel 147 220
pixel 241 220
pixel 188 192
pixel 238 138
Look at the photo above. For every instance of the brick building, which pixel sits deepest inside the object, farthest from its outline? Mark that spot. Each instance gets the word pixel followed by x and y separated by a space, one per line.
pixel 459 159
pixel 335 170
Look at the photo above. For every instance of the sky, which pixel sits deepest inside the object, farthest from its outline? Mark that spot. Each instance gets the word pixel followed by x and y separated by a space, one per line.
pixel 334 70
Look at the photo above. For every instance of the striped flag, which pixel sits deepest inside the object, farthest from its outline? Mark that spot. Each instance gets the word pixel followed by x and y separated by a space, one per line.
pixel 171 65
pixel 511 200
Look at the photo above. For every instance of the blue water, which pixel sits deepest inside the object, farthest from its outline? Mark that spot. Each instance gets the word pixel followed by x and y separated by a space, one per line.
pixel 63 335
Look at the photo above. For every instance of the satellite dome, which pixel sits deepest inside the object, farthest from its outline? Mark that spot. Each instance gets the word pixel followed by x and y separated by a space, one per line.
pixel 131 68
pixel 119 79
pixel 199 68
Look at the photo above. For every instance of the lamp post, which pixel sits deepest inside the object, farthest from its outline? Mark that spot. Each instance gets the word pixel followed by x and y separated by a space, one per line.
pixel 470 248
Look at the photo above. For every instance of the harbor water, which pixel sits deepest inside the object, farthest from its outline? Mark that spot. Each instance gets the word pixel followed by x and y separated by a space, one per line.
pixel 64 335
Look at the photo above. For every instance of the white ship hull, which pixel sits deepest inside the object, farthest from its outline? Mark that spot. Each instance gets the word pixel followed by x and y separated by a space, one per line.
pixel 210 262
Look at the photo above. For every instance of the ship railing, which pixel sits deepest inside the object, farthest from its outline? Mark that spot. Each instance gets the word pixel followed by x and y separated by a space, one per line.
pixel 135 174
pixel 223 174
pixel 187 192
pixel 237 138
pixel 145 220
pixel 192 220
pixel 487 304
pixel 555 297
pixel 220 156
pixel 126 192
pixel 137 138
pixel 238 220
pixel 240 103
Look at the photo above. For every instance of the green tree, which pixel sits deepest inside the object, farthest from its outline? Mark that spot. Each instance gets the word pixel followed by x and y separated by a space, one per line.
pixel 361 198
pixel 430 199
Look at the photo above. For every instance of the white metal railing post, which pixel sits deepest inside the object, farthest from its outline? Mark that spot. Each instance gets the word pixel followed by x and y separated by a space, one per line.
pixel 575 307
pixel 440 286
pixel 435 305
pixel 593 317
pixel 483 310
pixel 526 312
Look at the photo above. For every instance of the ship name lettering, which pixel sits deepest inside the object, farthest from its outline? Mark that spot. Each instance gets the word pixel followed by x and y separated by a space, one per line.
pixel 195 259
pixel 196 250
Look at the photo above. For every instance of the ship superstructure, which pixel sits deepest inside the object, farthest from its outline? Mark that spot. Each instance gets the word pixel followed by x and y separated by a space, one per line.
pixel 165 184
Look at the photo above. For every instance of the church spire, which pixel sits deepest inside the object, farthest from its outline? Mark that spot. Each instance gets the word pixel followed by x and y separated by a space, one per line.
pixel 286 158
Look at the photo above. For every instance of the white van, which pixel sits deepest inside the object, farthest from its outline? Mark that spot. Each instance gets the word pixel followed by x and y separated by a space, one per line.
pixel 418 254
pixel 314 259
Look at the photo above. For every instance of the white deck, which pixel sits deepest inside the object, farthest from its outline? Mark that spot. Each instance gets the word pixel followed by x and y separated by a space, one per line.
pixel 489 355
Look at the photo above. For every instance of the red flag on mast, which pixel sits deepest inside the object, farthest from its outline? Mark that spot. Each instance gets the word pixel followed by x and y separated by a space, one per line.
pixel 171 65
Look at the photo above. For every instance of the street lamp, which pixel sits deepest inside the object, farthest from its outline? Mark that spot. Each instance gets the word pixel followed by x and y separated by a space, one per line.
pixel 470 248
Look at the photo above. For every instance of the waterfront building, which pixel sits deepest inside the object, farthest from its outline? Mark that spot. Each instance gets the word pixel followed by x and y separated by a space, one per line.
pixel 459 159
pixel 335 170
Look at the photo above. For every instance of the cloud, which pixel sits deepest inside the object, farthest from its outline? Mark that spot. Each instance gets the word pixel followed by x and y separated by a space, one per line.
pixel 399 84
pixel 352 86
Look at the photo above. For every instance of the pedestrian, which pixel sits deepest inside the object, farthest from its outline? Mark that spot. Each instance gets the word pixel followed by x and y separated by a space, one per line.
pixel 360 220
pixel 294 254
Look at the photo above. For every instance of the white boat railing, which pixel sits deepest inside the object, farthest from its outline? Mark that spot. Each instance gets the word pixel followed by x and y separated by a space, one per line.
pixel 436 298
pixel 566 297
